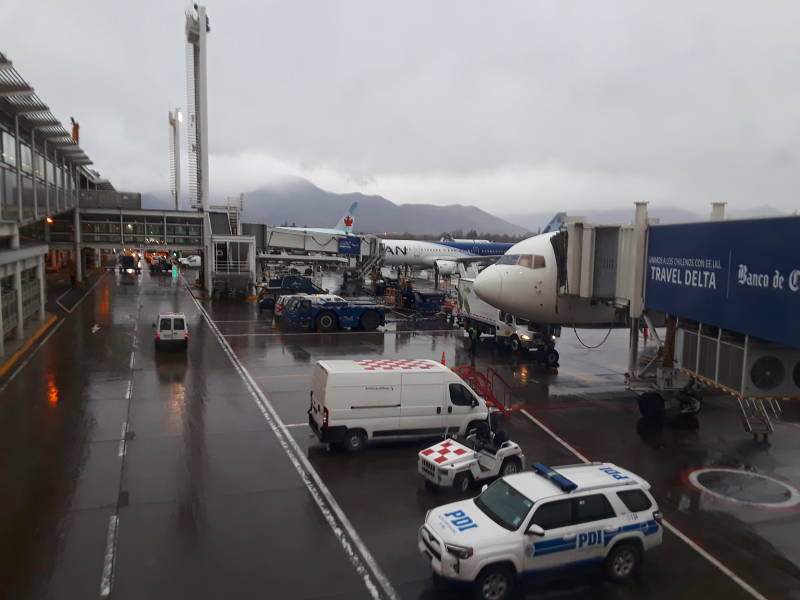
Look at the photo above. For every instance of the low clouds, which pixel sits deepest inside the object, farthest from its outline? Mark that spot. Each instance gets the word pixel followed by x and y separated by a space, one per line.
pixel 507 106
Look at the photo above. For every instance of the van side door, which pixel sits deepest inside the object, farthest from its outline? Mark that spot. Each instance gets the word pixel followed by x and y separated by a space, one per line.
pixel 421 404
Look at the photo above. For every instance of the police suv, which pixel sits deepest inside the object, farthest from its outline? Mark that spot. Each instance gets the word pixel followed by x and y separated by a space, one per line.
pixel 543 519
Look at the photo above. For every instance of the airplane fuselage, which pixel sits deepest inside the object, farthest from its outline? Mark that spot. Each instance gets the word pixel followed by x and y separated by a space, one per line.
pixel 417 253
pixel 524 282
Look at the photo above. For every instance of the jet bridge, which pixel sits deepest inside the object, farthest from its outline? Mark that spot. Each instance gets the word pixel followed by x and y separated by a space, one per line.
pixel 729 292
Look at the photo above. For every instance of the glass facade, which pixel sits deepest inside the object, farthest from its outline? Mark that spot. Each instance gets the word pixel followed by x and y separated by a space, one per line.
pixel 25 159
pixel 8 181
pixel 38 165
pixel 9 149
pixel 27 197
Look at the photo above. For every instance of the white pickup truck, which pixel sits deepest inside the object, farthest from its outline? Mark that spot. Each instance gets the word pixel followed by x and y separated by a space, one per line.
pixel 515 332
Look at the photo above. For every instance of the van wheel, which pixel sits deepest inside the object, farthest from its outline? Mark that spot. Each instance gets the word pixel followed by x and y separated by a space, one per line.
pixel 462 482
pixel 623 561
pixel 326 321
pixel 510 466
pixel 370 320
pixel 354 440
pixel 515 344
pixel 495 582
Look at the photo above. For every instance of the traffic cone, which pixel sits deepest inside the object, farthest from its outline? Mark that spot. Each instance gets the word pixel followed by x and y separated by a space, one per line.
pixel 444 362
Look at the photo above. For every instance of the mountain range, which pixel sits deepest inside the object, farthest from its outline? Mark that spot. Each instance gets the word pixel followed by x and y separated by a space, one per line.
pixel 666 214
pixel 297 201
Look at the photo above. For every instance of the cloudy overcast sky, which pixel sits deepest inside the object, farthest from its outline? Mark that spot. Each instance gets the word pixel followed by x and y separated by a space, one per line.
pixel 511 106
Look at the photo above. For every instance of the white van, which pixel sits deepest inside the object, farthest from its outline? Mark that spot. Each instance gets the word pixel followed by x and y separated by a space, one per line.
pixel 353 401
pixel 171 329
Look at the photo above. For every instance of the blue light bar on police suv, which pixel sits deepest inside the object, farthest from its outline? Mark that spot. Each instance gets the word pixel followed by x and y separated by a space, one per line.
pixel 562 482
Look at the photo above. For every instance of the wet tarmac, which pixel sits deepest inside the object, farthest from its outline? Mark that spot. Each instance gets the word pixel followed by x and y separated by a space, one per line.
pixel 135 474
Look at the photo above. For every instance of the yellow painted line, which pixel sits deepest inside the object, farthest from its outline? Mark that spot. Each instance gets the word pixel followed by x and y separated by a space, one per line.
pixel 582 376
pixel 27 345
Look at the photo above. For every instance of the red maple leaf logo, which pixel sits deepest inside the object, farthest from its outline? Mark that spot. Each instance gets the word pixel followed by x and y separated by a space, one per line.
pixel 348 221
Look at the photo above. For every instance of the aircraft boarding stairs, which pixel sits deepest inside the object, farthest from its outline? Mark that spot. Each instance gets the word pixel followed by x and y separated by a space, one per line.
pixel 758 414
pixel 491 386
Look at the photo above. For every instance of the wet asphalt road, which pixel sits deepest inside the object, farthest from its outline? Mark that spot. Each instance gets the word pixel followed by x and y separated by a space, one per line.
pixel 209 505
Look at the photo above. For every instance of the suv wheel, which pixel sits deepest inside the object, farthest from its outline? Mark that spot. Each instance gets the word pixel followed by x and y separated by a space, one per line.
pixel 354 440
pixel 515 344
pixel 494 583
pixel 623 561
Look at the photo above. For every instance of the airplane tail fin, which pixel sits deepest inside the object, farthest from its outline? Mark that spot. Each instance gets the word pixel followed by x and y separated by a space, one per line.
pixel 555 223
pixel 349 218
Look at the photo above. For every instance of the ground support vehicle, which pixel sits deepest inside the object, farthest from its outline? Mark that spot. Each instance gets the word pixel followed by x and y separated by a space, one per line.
pixel 353 401
pixel 422 302
pixel 449 464
pixel 542 519
pixel 269 291
pixel 520 335
pixel 171 330
pixel 324 313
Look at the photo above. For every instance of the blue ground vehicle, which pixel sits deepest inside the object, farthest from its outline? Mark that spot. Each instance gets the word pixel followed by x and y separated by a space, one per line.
pixel 322 314
pixel 281 286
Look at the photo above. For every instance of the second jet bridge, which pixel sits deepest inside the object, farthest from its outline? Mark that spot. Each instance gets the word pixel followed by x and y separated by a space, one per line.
pixel 597 262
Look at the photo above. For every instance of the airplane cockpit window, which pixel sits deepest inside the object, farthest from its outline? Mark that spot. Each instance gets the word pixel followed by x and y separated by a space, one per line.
pixel 508 259
pixel 529 261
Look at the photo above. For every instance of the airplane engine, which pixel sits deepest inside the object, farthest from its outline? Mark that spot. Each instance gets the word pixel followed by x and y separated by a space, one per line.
pixel 446 267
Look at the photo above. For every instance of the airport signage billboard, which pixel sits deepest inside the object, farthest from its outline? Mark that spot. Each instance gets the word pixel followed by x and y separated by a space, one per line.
pixel 350 245
pixel 739 275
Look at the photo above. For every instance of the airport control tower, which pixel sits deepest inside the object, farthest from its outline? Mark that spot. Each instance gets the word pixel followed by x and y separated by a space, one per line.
pixel 197 124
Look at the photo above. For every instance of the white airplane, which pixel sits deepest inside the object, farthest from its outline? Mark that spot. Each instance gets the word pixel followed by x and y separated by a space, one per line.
pixel 444 255
pixel 525 282
pixel 343 227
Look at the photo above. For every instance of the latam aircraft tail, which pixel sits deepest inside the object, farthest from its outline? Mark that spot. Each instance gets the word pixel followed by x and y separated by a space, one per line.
pixel 348 220
pixel 555 223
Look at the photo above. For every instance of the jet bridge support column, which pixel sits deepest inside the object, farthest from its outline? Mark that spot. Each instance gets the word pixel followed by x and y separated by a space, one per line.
pixel 636 300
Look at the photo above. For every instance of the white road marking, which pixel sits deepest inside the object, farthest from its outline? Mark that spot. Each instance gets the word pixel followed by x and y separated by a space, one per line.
pixel 552 434
pixel 133 355
pixel 95 328
pixel 360 557
pixel 295 425
pixel 122 438
pixel 108 560
pixel 129 393
pixel 667 525
pixel 58 300
pixel 69 310
pixel 30 356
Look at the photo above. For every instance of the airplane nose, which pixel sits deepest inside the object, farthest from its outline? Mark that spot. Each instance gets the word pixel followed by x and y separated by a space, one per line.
pixel 489 286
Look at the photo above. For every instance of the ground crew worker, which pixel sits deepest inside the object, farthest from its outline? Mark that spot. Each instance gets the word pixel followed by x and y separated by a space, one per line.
pixel 473 339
